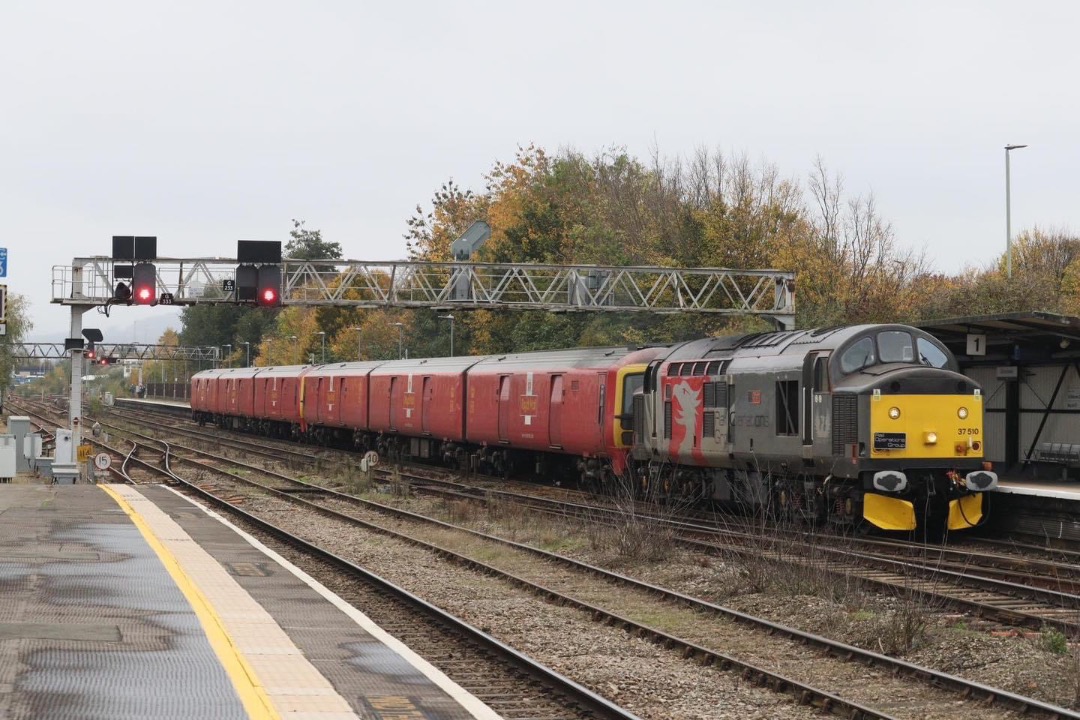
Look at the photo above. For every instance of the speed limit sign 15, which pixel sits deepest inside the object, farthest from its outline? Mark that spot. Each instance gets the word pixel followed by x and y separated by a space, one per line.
pixel 102 461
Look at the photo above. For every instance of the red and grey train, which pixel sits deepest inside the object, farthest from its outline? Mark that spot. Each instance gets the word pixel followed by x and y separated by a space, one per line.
pixel 867 422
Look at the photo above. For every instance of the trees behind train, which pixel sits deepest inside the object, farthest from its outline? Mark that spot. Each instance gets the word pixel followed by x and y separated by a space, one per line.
pixel 709 209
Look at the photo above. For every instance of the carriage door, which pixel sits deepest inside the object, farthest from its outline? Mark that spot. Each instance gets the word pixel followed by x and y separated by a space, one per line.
pixel 395 401
pixel 425 409
pixel 555 408
pixel 504 408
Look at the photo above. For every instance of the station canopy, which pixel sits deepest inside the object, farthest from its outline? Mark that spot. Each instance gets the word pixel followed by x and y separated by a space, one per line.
pixel 1028 337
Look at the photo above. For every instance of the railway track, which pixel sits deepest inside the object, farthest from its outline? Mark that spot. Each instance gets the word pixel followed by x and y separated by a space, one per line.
pixel 1027 592
pixel 694 647
pixel 506 680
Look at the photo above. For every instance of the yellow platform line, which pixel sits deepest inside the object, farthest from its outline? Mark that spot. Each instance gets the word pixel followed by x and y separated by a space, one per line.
pixel 253 696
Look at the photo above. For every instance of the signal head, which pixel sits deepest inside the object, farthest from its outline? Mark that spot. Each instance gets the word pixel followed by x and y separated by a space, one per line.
pixel 269 286
pixel 144 284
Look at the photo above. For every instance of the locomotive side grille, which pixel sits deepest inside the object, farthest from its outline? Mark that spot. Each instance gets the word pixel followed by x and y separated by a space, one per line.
pixel 845 421
pixel 667 420
pixel 714 395
pixel 708 424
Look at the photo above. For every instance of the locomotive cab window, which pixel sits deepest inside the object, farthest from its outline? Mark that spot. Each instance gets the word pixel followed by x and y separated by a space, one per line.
pixel 894 346
pixel 930 354
pixel 858 356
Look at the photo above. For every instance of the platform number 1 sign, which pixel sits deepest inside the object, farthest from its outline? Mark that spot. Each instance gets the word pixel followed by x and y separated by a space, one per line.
pixel 976 344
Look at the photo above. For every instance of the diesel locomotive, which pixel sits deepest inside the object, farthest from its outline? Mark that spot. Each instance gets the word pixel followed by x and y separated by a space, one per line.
pixel 869 422
pixel 837 425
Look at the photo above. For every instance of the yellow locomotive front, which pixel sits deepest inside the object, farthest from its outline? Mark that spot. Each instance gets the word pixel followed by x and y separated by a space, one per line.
pixel 920 432
pixel 907 431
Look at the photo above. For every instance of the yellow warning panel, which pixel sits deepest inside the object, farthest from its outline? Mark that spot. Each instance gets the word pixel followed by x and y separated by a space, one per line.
pixel 85 452
pixel 965 512
pixel 888 513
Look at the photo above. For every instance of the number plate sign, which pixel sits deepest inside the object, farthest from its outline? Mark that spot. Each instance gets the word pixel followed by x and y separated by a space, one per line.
pixel 890 441
pixel 976 344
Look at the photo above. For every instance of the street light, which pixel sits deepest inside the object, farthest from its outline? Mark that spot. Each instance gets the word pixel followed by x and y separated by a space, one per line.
pixel 399 327
pixel 248 346
pixel 450 317
pixel 1008 212
pixel 227 345
pixel 359 339
pixel 323 334
pixel 296 350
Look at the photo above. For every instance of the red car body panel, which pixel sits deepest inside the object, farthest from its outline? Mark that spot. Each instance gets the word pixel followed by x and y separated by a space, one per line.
pixel 564 401
pixel 561 401
pixel 277 393
pixel 336 396
pixel 421 398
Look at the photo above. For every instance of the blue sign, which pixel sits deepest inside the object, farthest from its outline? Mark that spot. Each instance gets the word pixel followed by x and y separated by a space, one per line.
pixel 3 262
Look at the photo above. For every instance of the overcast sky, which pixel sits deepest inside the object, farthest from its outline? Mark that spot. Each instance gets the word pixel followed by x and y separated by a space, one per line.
pixel 207 122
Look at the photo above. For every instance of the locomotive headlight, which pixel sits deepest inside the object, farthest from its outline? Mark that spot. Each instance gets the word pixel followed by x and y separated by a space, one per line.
pixel 894 413
pixel 930 438
pixel 962 413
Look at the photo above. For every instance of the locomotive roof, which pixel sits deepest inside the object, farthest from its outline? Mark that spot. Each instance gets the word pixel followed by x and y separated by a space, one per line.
pixel 773 343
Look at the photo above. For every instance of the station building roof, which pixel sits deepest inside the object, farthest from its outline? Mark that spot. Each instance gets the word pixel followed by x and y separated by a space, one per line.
pixel 1028 337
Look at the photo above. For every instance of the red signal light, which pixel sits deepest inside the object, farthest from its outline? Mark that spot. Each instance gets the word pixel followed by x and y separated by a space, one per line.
pixel 269 286
pixel 144 284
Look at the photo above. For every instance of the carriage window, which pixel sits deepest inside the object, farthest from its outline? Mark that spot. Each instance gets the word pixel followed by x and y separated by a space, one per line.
pixel 632 383
pixel 858 356
pixel 895 346
pixel 930 354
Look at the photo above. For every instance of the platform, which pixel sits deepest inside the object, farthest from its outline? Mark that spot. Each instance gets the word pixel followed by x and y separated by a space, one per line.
pixel 1061 489
pixel 130 603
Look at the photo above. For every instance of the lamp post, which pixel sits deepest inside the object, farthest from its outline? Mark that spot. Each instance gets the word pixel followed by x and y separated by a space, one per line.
pixel 322 334
pixel 269 345
pixel 247 345
pixel 296 349
pixel 399 327
pixel 359 339
pixel 1008 212
pixel 450 317
pixel 227 345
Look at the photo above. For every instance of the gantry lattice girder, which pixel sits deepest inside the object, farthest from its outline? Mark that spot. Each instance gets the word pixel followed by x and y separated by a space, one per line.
pixel 460 285
pixel 118 351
